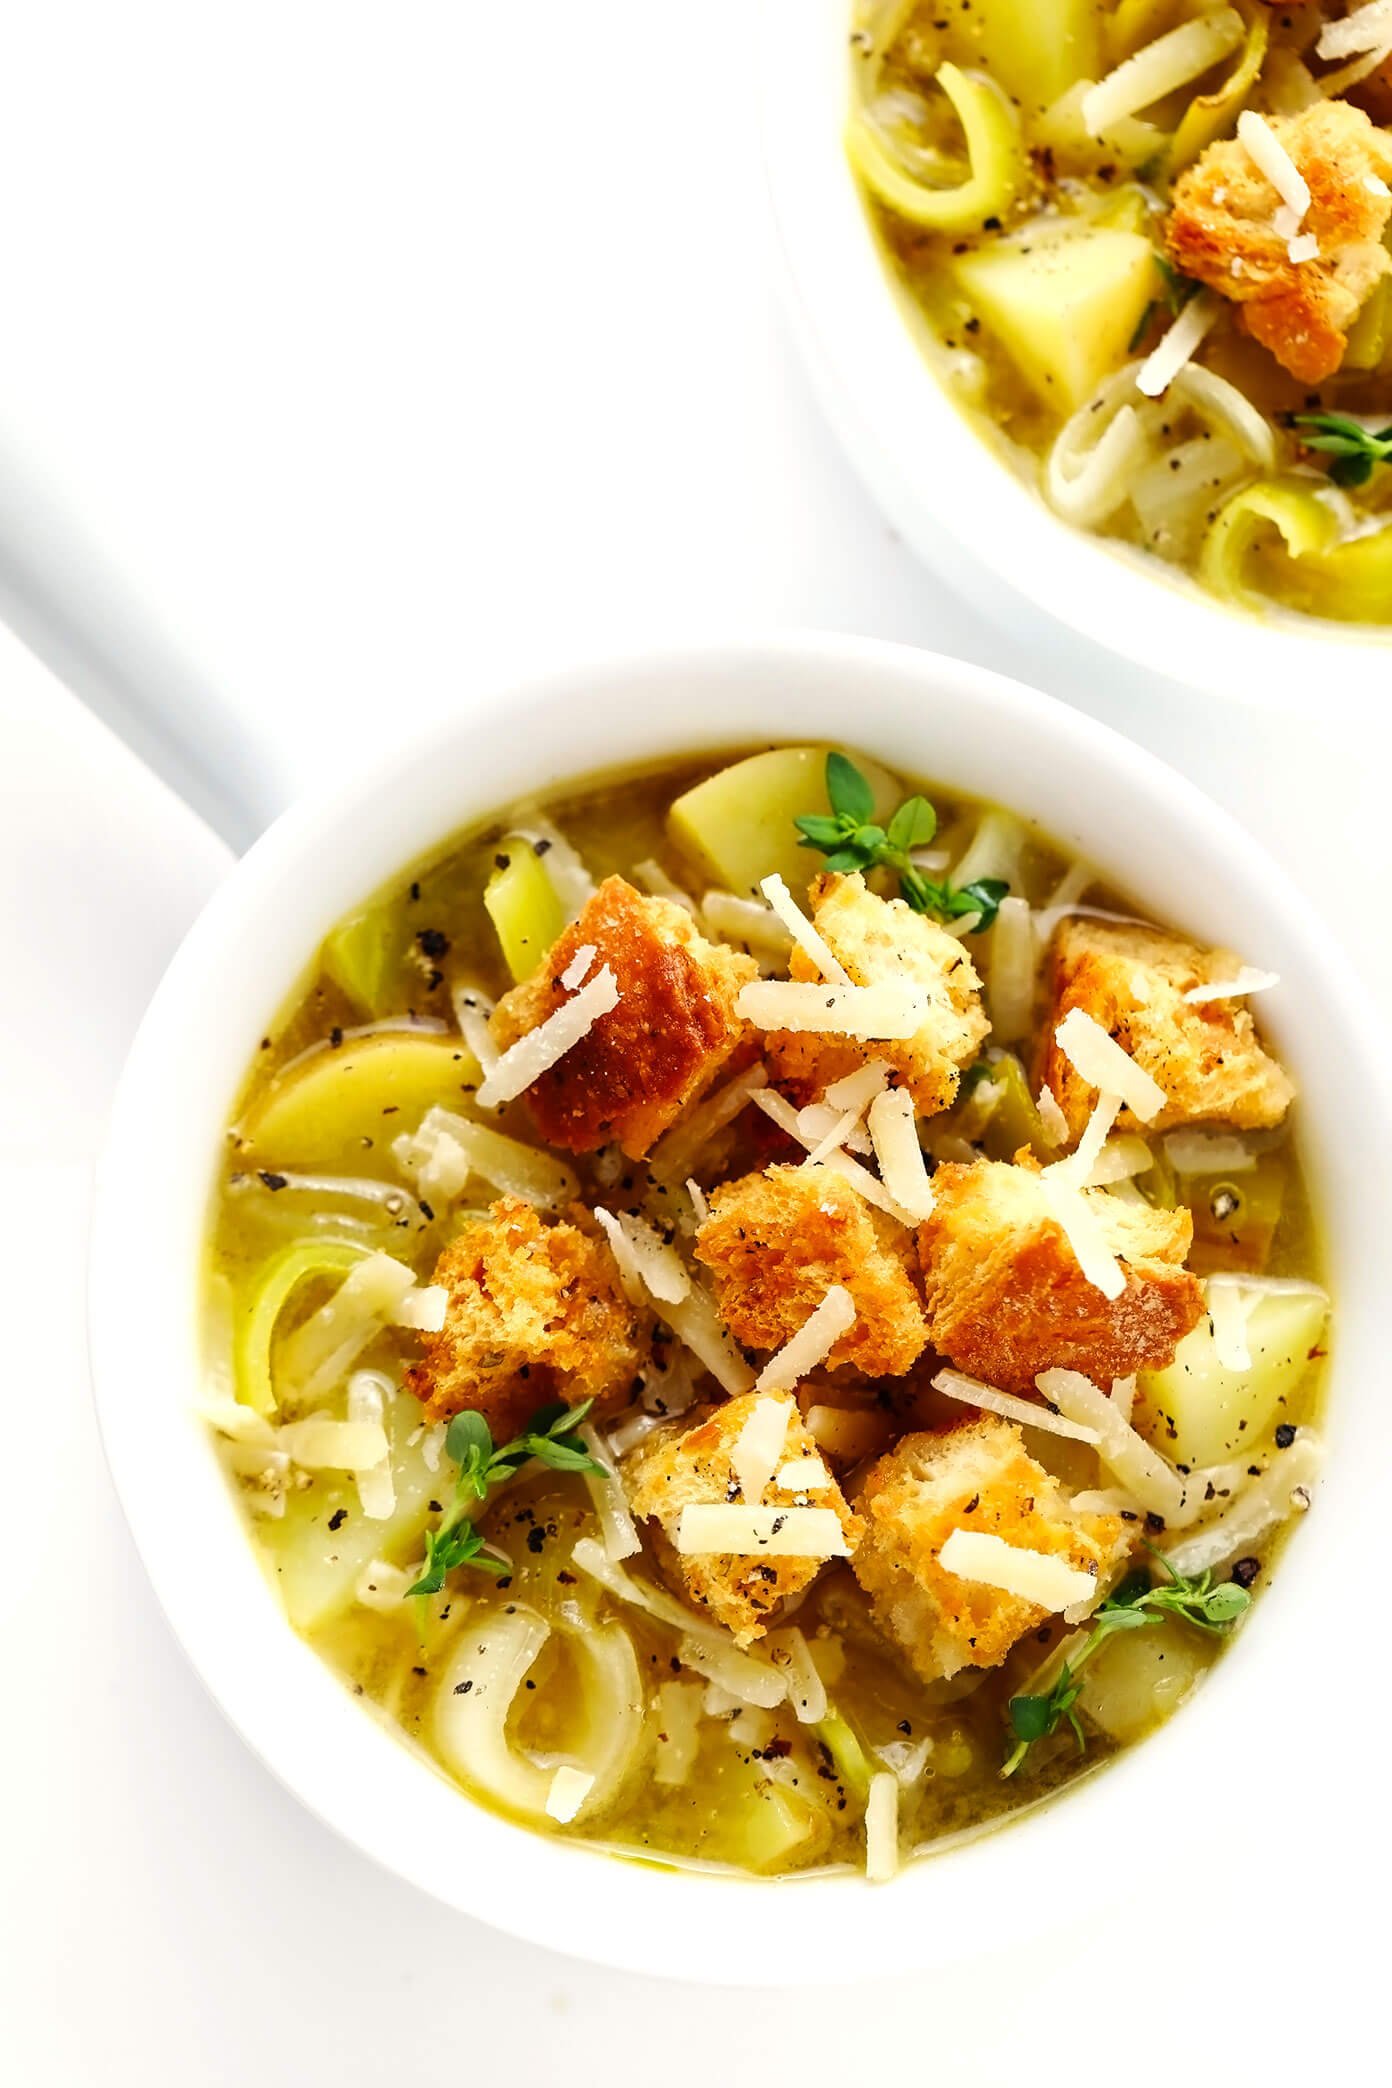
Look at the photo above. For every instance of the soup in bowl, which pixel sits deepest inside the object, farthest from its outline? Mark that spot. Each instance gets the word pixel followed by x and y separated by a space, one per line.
pixel 761 1311
pixel 1033 261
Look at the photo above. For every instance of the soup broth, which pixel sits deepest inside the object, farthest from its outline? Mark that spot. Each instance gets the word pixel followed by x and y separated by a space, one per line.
pixel 1061 231
pixel 575 1672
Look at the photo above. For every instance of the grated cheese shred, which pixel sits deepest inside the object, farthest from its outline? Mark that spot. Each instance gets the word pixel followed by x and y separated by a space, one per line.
pixel 1037 1577
pixel 954 1384
pixel 892 1010
pixel 804 932
pixel 534 1054
pixel 728 1527
pixel 812 1343
pixel 894 1135
pixel 1098 1059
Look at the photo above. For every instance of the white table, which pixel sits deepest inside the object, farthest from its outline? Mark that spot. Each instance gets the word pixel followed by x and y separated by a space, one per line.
pixel 353 356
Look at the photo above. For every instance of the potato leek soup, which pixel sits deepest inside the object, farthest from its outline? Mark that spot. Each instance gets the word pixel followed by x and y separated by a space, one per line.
pixel 1145 246
pixel 763 1316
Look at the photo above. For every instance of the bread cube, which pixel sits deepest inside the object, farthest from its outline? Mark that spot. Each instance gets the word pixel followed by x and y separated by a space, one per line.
pixel 672 1031
pixel 535 1314
pixel 1006 1297
pixel 697 1461
pixel 878 939
pixel 976 1476
pixel 1206 1055
pixel 776 1242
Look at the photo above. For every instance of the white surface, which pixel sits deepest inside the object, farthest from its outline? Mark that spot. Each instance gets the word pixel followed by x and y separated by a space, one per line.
pixel 349 352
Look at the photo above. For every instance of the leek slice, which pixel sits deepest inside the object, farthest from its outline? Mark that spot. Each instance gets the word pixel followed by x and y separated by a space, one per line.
pixel 1211 116
pixel 1295 535
pixel 996 172
pixel 524 908
pixel 276 1283
pixel 363 956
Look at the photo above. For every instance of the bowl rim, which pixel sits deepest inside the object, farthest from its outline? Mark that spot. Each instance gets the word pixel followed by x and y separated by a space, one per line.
pixel 943 486
pixel 188 1060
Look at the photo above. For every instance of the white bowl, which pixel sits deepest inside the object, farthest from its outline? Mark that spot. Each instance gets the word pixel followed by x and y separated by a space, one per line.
pixel 929 717
pixel 959 504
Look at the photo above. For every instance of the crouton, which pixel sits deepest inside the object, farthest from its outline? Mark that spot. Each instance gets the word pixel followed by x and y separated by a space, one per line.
pixel 1222 231
pixel 673 1029
pixel 1005 1295
pixel 1132 980
pixel 878 939
pixel 976 1476
pixel 535 1313
pixel 777 1241
pixel 693 1462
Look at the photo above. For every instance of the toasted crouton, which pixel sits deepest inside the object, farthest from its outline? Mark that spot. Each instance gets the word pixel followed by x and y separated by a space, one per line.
pixel 1007 1299
pixel 976 1476
pixel 535 1313
pixel 1132 980
pixel 778 1241
pixel 689 1462
pixel 673 1029
pixel 1222 230
pixel 878 939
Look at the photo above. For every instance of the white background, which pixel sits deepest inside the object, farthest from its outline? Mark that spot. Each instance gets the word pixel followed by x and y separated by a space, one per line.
pixel 351 357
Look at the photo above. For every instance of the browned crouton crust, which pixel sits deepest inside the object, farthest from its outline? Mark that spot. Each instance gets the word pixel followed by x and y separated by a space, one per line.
pixel 1221 232
pixel 977 1476
pixel 1007 1299
pixel 879 939
pixel 675 1025
pixel 688 1461
pixel 777 1241
pixel 1132 980
pixel 535 1313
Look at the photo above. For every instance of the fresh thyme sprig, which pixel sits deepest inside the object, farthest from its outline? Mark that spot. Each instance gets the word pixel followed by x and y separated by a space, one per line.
pixel 850 840
pixel 550 1437
pixel 1354 448
pixel 1133 1604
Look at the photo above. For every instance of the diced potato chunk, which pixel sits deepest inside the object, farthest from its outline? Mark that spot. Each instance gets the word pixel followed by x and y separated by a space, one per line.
pixel 342 1103
pixel 738 824
pixel 1199 1413
pixel 1064 308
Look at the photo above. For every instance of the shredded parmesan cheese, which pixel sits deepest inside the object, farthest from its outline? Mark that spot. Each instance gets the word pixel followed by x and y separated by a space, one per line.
pixel 1079 1165
pixel 698 1199
pixel 836 1133
pixel 347 1446
pixel 812 1343
pixel 569 1790
pixel 882 1828
pixel 805 933
pixel 1099 1060
pixel 368 1393
pixel 659 1267
pixel 954 1384
pixel 1248 980
pixel 1208 1153
pixel 1366 29
pixel 534 1054
pixel 890 1010
pixel 894 1134
pixel 1119 1160
pixel 726 1527
pixel 1271 158
pixel 745 921
pixel 803 1475
pixel 860 1179
pixel 758 1446
pixel 578 968
pixel 858 1090
pixel 1038 1577
pixel 1069 1209
pixel 1178 346
pixel 1130 1459
pixel 788 1649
